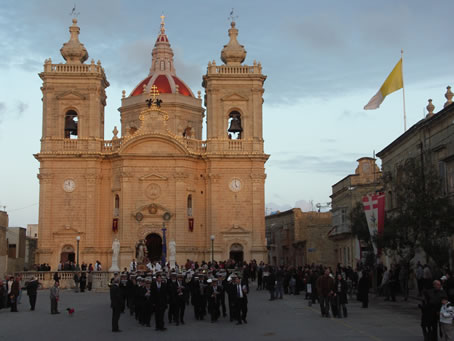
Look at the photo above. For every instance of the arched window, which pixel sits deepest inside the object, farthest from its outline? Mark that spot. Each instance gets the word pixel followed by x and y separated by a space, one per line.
pixel 187 132
pixel 163 65
pixel 71 124
pixel 235 129
pixel 189 205
pixel 117 205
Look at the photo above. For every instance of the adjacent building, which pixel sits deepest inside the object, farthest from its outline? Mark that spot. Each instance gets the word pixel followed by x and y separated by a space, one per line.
pixel 431 142
pixel 16 237
pixel 159 183
pixel 345 195
pixel 3 243
pixel 297 238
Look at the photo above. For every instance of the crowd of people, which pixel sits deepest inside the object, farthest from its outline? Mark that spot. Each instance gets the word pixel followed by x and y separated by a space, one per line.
pixel 219 290
pixel 215 290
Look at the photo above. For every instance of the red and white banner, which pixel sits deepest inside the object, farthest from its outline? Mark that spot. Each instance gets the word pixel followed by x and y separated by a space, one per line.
pixel 374 208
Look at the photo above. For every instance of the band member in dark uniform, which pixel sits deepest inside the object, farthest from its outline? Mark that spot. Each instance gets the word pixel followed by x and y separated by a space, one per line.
pixel 173 304
pixel 212 294
pixel 116 303
pixel 160 299
pixel 147 308
pixel 222 282
pixel 196 297
pixel 182 294
pixel 240 301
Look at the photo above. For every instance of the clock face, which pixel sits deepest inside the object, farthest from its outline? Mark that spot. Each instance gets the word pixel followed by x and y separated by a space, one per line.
pixel 69 185
pixel 235 185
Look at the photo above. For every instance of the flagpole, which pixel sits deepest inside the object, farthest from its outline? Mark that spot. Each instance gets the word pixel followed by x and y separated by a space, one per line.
pixel 403 89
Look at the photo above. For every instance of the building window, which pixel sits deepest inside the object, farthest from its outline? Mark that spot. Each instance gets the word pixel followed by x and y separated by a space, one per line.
pixel 450 176
pixel 189 205
pixel 71 125
pixel 117 206
pixel 235 129
pixel 442 174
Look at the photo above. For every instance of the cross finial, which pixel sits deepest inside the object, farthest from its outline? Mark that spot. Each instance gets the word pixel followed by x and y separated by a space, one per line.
pixel 154 92
pixel 162 23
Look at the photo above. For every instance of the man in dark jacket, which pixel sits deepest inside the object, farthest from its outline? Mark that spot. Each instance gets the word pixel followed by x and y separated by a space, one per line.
pixel 325 286
pixel 32 292
pixel 241 301
pixel 160 299
pixel 432 305
pixel 116 303
pixel 14 294
pixel 196 297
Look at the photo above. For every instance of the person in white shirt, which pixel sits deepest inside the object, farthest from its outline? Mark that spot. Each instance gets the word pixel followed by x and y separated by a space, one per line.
pixel 158 266
pixel 446 317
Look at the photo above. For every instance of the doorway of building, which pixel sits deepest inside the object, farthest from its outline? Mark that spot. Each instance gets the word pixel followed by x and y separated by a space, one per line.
pixel 67 254
pixel 236 253
pixel 154 247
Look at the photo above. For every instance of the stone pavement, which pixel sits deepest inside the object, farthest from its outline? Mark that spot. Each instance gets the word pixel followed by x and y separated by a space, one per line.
pixel 287 319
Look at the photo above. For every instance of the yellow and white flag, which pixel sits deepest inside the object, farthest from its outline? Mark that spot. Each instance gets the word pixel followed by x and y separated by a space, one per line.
pixel 393 83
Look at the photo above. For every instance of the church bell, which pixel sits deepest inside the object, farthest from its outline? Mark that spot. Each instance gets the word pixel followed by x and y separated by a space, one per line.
pixel 235 124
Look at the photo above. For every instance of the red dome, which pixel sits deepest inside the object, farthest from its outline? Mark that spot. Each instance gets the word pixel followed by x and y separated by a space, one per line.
pixel 165 83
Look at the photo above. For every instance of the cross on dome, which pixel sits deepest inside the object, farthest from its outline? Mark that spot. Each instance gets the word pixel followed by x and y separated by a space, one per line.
pixel 154 92
pixel 163 30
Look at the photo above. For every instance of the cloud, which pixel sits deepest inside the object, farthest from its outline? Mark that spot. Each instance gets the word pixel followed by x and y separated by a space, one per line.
pixel 21 107
pixel 273 207
pixel 317 164
pixel 2 111
pixel 305 205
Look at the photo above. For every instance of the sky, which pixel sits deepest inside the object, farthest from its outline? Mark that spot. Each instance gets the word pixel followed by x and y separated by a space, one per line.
pixel 324 60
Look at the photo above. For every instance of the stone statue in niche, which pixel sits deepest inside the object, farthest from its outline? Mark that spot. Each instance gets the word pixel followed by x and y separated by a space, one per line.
pixel 115 254
pixel 140 251
pixel 172 254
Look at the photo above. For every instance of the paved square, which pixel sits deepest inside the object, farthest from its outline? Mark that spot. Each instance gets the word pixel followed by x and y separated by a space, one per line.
pixel 287 319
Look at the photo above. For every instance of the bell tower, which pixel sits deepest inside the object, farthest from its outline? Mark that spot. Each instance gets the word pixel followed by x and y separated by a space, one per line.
pixel 74 96
pixel 234 98
pixel 70 173
pixel 234 153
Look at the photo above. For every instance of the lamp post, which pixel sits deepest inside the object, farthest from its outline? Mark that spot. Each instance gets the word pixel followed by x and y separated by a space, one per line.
pixel 77 260
pixel 164 243
pixel 212 248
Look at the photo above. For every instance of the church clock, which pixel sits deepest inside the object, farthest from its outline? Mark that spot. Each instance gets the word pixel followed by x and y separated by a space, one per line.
pixel 69 185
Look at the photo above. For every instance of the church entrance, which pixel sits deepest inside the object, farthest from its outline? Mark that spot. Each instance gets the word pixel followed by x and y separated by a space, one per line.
pixel 154 247
pixel 67 254
pixel 236 253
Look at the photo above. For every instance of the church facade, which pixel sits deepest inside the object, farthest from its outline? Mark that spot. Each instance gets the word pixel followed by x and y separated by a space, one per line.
pixel 158 184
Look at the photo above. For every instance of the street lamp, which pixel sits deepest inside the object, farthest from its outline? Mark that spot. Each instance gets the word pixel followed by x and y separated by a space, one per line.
pixel 164 244
pixel 78 240
pixel 212 248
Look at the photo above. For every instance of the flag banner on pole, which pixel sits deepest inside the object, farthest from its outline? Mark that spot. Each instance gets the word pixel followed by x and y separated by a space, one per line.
pixel 393 83
pixel 374 208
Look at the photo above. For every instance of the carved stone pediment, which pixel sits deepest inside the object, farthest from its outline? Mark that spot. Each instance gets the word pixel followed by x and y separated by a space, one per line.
pixel 151 212
pixel 70 95
pixel 235 97
pixel 67 230
pixel 153 177
pixel 236 229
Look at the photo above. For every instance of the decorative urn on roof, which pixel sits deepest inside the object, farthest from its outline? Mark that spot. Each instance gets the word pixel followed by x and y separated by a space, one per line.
pixel 233 53
pixel 74 52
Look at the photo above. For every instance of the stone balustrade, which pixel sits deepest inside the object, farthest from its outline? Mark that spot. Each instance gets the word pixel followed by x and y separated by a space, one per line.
pixel 73 68
pixel 194 146
pixel 237 69
pixel 101 279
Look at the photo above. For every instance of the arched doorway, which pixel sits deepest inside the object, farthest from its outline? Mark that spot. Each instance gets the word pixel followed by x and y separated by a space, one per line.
pixel 67 254
pixel 236 253
pixel 154 247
